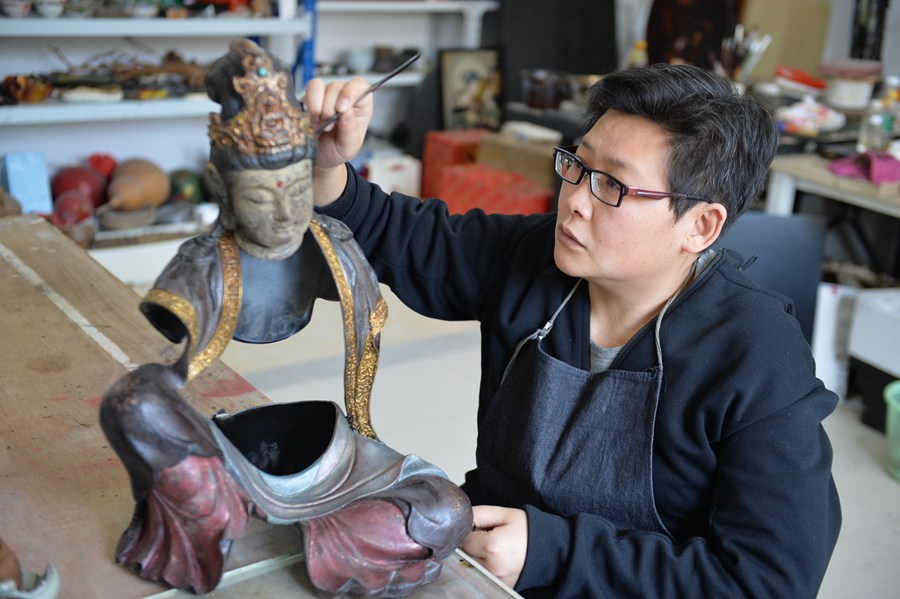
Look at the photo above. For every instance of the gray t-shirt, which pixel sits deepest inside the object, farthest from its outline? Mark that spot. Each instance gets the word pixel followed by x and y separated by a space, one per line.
pixel 602 357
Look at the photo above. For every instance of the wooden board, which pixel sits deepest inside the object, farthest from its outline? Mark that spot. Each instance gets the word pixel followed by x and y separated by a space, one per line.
pixel 799 29
pixel 69 330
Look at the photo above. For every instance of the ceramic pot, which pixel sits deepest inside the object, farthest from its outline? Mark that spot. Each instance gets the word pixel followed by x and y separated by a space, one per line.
pixel 71 207
pixel 80 8
pixel 138 184
pixel 359 60
pixel 144 9
pixel 50 9
pixel 16 9
pixel 84 179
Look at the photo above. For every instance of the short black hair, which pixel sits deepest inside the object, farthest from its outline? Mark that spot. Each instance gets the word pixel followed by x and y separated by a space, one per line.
pixel 722 140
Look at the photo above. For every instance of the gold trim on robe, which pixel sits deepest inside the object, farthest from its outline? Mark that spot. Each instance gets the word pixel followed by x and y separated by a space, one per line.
pixel 359 370
pixel 231 307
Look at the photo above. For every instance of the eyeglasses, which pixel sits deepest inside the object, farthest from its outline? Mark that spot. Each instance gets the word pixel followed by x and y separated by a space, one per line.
pixel 604 186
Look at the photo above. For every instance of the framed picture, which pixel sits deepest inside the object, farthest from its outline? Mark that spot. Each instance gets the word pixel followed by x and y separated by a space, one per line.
pixel 471 88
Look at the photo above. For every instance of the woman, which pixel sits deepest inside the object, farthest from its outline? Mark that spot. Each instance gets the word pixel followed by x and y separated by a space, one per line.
pixel 660 435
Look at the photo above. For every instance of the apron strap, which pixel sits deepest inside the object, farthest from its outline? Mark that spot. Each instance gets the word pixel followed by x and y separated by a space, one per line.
pixel 662 312
pixel 544 330
pixel 541 332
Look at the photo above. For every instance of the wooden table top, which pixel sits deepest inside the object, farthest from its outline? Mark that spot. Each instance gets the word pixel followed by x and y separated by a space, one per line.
pixel 68 331
pixel 814 168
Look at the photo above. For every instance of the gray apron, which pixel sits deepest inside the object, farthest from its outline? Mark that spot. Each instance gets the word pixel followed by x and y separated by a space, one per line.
pixel 569 441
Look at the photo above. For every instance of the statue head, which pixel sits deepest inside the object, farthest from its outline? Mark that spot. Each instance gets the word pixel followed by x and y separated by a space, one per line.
pixel 262 147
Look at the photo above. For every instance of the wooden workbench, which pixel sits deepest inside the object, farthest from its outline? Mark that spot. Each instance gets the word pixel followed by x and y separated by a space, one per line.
pixel 68 330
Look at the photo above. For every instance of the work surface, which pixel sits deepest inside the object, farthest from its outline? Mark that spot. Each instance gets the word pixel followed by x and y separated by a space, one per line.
pixel 809 173
pixel 69 330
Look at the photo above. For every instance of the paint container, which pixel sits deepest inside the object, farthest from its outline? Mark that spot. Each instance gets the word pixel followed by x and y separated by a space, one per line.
pixel 850 83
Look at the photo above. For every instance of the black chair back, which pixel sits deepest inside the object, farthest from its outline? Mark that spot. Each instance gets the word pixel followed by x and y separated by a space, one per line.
pixel 789 251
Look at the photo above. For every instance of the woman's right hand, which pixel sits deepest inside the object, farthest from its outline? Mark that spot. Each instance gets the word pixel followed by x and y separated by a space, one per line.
pixel 340 141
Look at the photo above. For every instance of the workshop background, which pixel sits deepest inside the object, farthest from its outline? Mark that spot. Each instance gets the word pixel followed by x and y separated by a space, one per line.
pixel 90 86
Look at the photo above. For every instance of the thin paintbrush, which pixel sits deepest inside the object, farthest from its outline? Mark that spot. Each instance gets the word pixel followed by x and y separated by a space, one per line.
pixel 371 89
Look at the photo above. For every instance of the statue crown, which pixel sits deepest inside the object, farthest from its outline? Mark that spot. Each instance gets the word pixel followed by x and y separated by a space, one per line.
pixel 269 122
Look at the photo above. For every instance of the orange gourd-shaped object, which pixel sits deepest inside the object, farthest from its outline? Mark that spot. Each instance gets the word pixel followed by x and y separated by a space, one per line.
pixel 136 184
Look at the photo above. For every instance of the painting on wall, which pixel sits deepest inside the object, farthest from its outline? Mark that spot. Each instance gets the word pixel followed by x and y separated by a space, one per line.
pixel 470 88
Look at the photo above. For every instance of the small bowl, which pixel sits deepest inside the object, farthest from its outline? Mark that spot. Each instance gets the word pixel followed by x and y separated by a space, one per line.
pixel 144 10
pixel 16 9
pixel 50 9
pixel 80 9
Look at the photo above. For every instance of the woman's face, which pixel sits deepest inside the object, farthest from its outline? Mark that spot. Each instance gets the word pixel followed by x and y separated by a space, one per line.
pixel 637 241
pixel 272 209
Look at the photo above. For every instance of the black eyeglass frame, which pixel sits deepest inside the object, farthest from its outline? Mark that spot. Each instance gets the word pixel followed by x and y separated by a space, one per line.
pixel 624 190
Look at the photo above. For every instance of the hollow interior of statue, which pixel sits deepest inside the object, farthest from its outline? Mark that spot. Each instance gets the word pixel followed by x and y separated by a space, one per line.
pixel 282 439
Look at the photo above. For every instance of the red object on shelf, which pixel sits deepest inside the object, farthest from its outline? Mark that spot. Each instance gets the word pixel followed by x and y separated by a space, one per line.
pixel 447 148
pixel 103 164
pixel 467 186
pixel 800 76
pixel 72 206
pixel 82 178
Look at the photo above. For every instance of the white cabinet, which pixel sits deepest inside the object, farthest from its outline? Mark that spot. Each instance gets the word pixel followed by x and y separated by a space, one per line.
pixel 30 44
pixel 171 132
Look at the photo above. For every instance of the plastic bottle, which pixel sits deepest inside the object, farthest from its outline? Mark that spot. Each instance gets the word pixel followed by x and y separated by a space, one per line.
pixel 872 136
pixel 638 56
pixel 890 96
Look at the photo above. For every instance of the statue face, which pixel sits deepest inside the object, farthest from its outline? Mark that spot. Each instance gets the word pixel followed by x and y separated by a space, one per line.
pixel 272 209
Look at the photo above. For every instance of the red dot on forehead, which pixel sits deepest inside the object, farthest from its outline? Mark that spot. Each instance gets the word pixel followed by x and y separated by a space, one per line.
pixel 280 183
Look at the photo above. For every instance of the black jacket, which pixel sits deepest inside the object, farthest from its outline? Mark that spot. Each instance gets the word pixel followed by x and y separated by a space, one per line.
pixel 741 465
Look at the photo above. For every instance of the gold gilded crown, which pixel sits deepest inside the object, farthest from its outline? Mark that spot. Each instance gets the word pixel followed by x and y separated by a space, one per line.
pixel 269 122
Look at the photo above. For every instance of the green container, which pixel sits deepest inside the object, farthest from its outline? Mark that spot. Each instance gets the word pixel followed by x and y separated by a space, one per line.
pixel 892 428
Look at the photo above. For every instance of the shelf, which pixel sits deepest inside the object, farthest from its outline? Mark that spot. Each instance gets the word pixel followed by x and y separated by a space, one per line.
pixel 53 112
pixel 158 27
pixel 281 37
pixel 409 79
pixel 471 10
pixel 411 6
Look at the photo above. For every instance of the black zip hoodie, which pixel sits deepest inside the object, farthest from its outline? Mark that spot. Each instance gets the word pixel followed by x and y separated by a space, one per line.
pixel 741 464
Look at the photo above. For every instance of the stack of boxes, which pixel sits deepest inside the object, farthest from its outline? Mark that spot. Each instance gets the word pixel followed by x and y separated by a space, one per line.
pixel 496 172
pixel 467 186
pixel 444 149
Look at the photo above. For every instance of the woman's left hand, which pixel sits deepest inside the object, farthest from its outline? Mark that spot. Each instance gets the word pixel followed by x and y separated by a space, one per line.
pixel 499 541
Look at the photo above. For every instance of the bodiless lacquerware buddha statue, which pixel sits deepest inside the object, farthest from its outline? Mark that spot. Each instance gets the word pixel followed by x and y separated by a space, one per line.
pixel 373 522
